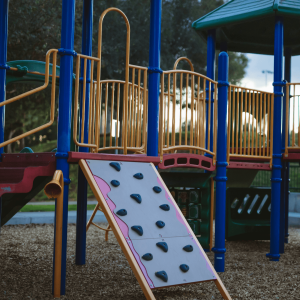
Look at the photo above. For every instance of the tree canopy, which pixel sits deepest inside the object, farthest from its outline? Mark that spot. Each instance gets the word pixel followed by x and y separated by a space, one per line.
pixel 35 26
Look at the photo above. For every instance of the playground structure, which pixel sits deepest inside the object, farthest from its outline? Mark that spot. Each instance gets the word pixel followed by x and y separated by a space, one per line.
pixel 231 128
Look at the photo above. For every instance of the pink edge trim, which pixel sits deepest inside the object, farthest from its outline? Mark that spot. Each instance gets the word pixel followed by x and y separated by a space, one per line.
pixel 105 189
pixel 180 219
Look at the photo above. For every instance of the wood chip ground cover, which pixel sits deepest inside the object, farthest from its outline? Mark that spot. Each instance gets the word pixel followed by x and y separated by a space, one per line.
pixel 26 269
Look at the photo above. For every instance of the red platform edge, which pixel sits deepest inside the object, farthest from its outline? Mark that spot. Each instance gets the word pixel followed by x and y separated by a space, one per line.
pixel 26 184
pixel 247 165
pixel 26 158
pixel 187 160
pixel 74 157
pixel 291 157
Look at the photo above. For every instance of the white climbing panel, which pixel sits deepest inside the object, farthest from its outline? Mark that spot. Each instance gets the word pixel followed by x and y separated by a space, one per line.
pixel 156 232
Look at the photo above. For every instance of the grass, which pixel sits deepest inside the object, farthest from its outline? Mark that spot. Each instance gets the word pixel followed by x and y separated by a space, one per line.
pixel 36 208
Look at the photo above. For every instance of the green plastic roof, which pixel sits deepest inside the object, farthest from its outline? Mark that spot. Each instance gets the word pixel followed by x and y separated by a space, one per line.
pixel 248 25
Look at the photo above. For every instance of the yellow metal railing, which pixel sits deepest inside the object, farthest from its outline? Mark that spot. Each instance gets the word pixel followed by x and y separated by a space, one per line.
pixel 184 127
pixel 292 116
pixel 47 74
pixel 250 123
pixel 112 101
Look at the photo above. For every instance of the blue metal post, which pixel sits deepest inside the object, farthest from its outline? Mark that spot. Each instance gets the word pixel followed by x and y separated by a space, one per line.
pixel 154 70
pixel 3 66
pixel 87 37
pixel 277 166
pixel 286 165
pixel 64 116
pixel 221 178
pixel 210 73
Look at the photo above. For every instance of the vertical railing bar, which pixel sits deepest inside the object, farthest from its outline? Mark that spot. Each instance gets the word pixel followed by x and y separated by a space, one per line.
pixel 192 112
pixel 260 116
pixel 111 112
pixel 105 116
pixel 138 110
pixel 294 112
pixel 268 126
pixel 129 116
pixel 83 101
pixel 264 127
pixel 161 118
pixel 253 113
pixel 249 113
pixel 186 106
pixel 90 107
pixel 209 112
pixel 118 116
pixel 180 108
pixel 198 113
pixel 271 130
pixel 233 120
pixel 256 141
pixel 168 118
pixel 204 113
pixel 241 120
pixel 229 122
pixel 237 121
pixel 134 116
pixel 132 107
pixel 145 109
pixel 174 110
pixel 245 118
pixel 215 124
pixel 287 109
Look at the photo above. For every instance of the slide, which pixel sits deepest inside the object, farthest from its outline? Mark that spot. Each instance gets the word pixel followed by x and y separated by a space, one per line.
pixel 160 247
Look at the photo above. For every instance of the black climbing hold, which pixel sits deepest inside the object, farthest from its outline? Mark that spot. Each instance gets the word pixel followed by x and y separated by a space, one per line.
pixel 138 176
pixel 115 183
pixel 122 212
pixel 188 248
pixel 147 256
pixel 163 246
pixel 184 268
pixel 160 224
pixel 116 166
pixel 157 189
pixel 136 197
pixel 137 229
pixel 162 275
pixel 165 207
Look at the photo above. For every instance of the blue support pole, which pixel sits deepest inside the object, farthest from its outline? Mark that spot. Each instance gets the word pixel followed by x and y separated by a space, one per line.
pixel 277 129
pixel 87 37
pixel 221 178
pixel 210 73
pixel 286 165
pixel 154 71
pixel 3 66
pixel 64 116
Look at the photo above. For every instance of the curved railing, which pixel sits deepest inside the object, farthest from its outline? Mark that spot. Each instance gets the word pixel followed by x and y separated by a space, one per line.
pixel 250 123
pixel 36 90
pixel 292 119
pixel 184 127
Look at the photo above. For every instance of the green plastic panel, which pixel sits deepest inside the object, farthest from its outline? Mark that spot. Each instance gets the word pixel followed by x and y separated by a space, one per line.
pixel 191 192
pixel 248 213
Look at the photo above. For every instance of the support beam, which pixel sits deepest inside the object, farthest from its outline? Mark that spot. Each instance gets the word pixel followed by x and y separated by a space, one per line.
pixel 277 165
pixel 87 37
pixel 284 220
pixel 210 73
pixel 64 117
pixel 3 66
pixel 221 178
pixel 154 77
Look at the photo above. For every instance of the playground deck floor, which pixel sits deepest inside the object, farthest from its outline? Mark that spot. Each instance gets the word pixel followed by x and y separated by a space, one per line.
pixel 26 269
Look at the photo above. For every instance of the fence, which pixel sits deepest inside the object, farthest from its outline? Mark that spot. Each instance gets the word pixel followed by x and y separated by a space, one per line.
pixel 263 179
pixel 250 123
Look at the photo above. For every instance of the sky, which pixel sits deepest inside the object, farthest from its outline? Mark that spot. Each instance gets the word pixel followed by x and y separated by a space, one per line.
pixel 257 80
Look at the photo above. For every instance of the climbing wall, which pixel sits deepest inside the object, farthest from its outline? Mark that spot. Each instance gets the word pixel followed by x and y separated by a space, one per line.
pixel 154 228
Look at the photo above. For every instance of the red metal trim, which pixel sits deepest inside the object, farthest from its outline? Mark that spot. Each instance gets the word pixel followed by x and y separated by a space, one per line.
pixel 250 166
pixel 27 159
pixel 294 150
pixel 246 159
pixel 74 157
pixel 187 160
pixel 291 157
pixel 30 173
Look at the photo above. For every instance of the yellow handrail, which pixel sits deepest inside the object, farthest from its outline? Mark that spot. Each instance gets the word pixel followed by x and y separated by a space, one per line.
pixel 36 90
pixel 183 58
pixel 55 189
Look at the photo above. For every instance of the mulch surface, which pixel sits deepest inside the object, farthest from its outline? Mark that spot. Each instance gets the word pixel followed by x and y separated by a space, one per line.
pixel 26 269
